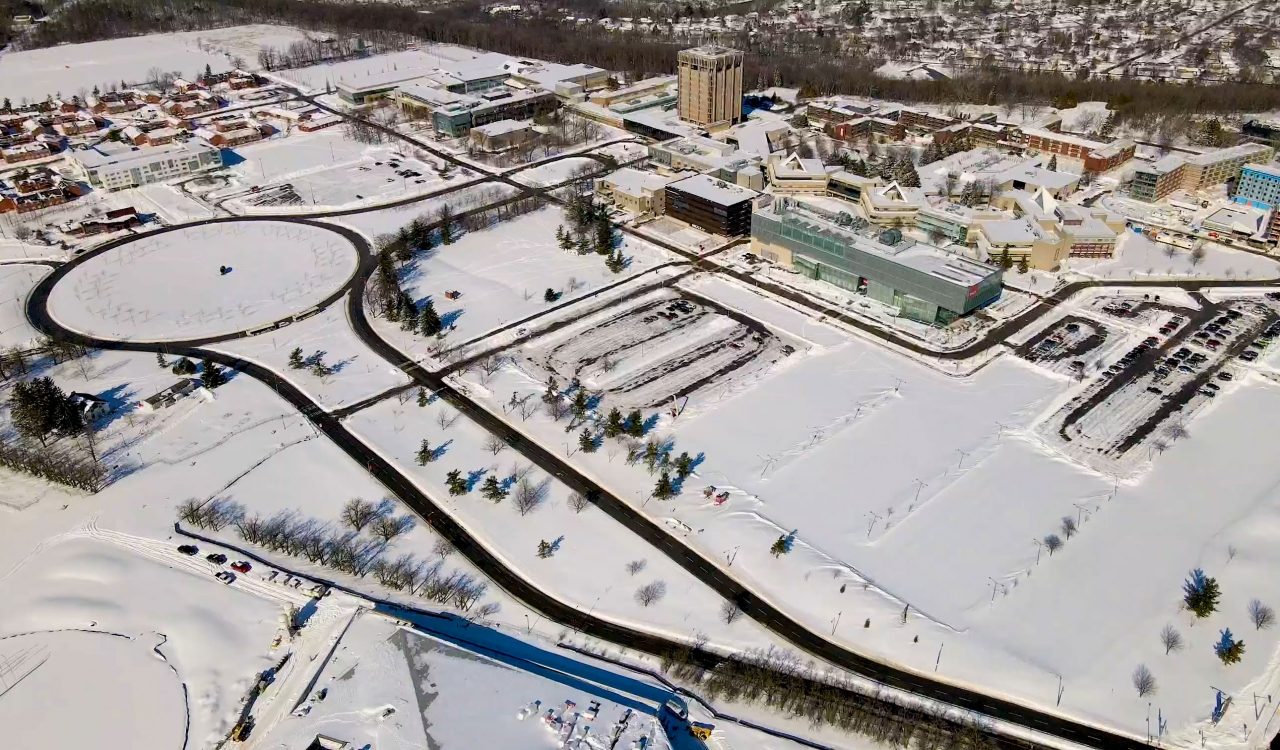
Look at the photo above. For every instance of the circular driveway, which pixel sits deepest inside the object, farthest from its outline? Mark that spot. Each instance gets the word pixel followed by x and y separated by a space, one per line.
pixel 168 285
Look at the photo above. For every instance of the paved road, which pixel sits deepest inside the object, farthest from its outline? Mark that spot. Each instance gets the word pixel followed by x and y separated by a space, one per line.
pixel 427 508
pixel 763 611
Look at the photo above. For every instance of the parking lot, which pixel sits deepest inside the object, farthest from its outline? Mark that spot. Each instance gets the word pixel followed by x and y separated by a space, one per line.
pixel 1067 345
pixel 1185 362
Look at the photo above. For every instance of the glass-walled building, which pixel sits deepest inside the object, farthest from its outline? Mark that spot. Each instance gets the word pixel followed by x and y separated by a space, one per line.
pixel 921 281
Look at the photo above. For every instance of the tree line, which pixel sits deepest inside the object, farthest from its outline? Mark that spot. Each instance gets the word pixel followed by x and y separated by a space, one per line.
pixel 814 64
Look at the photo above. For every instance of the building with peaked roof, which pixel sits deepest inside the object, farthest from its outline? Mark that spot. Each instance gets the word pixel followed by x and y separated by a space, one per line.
pixel 920 281
pixel 792 174
pixel 892 205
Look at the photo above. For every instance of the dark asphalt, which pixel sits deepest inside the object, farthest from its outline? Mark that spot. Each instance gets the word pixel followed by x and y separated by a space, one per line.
pixel 708 572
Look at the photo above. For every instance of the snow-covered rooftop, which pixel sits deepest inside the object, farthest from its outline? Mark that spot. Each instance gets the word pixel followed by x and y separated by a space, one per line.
pixel 711 189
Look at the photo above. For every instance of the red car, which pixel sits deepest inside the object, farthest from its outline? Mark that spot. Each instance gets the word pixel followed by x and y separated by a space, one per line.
pixel 240 566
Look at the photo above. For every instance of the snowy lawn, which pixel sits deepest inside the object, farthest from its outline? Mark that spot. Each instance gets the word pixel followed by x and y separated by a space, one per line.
pixel 329 170
pixel 420 61
pixel 558 172
pixel 67 70
pixel 168 286
pixel 390 220
pixel 16 282
pixel 503 273
pixel 1140 257
pixel 595 563
pixel 356 372
pixel 903 489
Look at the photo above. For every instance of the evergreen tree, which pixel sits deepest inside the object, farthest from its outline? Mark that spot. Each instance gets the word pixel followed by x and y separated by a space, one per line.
pixel 1006 260
pixel 429 323
pixel 579 405
pixel 425 454
pixel 564 239
pixel 295 359
pixel 39 407
pixel 613 423
pixel 583 246
pixel 492 489
pixel 683 465
pixel 212 376
pixel 780 546
pixel 587 441
pixel 160 359
pixel 664 490
pixel 1200 593
pixel 616 263
pixel 552 391
pixel 1228 649
pixel 422 397
pixel 634 424
pixel 408 312
pixel 550 295
pixel 604 235
pixel 544 549
pixel 446 224
pixel 184 366
pixel 457 485
pixel 1053 163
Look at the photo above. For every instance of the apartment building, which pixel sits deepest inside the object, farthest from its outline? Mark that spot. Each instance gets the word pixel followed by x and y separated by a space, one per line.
pixel 114 168
pixel 1259 186
pixel 710 85
pixel 1173 172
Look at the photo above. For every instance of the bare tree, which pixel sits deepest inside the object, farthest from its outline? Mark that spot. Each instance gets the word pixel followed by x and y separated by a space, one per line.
pixel 358 513
pixel 494 444
pixel 443 548
pixel 190 511
pixel 1171 639
pixel 1053 543
pixel 389 527
pixel 1143 681
pixel 1068 526
pixel 635 566
pixel 528 496
pixel 650 593
pixel 1261 615
pixel 578 502
pixel 444 420
pixel 730 611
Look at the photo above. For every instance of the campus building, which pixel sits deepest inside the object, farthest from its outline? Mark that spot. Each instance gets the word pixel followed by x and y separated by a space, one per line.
pixel 710 85
pixel 1154 182
pixel 113 169
pixel 634 190
pixel 1259 186
pixel 454 115
pixel 717 206
pixel 921 281
pixel 1097 156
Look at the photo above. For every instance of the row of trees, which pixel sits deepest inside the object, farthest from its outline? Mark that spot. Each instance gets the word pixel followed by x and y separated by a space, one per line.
pixel 589 230
pixel 358 546
pixel 316 50
pixel 779 681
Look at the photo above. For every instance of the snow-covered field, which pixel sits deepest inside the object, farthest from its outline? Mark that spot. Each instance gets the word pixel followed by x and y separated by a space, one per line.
pixel 328 170
pixel 68 70
pixel 558 172
pixel 905 488
pixel 503 273
pixel 357 372
pixel 1139 257
pixel 16 281
pixel 404 64
pixel 168 286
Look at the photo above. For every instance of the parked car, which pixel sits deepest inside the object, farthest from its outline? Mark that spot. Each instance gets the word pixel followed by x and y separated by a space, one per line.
pixel 225 576
pixel 1225 375
pixel 188 549
pixel 240 566
pixel 216 557
pixel 1248 355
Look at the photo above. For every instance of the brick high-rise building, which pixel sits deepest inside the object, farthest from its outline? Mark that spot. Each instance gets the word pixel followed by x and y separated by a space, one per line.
pixel 710 79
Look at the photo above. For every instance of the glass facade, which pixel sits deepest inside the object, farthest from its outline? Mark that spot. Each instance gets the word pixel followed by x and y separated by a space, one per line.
pixel 832 255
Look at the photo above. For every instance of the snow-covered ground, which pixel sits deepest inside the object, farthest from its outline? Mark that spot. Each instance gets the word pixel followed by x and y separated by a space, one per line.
pixel 328 170
pixel 503 273
pixel 357 373
pixel 16 281
pixel 904 488
pixel 69 70
pixel 1139 257
pixel 405 64
pixel 168 286
pixel 558 172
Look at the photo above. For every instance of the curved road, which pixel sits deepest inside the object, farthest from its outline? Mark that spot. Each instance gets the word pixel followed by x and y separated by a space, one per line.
pixel 708 572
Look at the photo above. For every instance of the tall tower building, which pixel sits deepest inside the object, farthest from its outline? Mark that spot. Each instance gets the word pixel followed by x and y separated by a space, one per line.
pixel 710 79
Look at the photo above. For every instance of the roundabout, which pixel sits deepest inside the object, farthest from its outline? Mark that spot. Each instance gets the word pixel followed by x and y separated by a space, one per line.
pixel 205 281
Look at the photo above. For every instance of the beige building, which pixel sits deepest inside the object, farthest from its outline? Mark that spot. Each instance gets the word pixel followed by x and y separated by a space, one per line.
pixel 634 190
pixel 710 81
